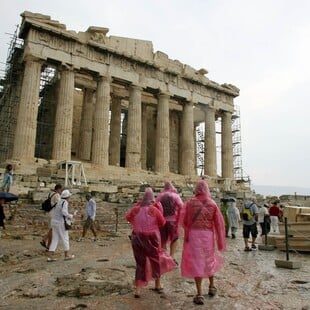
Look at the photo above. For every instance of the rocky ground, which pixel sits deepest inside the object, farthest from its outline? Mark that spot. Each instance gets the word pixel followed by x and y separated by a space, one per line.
pixel 101 275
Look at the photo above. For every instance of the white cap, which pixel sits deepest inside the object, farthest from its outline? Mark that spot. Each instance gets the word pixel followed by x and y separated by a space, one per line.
pixel 65 194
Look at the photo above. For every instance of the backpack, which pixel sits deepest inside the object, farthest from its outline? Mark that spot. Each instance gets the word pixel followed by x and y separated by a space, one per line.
pixel 47 205
pixel 168 205
pixel 247 213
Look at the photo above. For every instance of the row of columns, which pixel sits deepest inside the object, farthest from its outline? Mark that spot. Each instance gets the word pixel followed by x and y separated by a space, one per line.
pixel 103 149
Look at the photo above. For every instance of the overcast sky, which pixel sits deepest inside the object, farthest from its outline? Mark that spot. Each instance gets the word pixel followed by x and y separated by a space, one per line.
pixel 261 46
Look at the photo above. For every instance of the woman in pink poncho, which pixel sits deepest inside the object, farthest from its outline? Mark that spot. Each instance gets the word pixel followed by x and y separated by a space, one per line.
pixel 203 226
pixel 172 205
pixel 151 260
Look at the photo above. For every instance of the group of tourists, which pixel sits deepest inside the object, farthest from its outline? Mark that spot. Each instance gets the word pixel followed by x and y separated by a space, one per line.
pixel 61 220
pixel 156 229
pixel 156 225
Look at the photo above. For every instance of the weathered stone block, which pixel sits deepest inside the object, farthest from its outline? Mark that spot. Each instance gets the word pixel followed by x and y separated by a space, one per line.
pixel 30 178
pixel 44 172
pixel 39 197
pixel 105 188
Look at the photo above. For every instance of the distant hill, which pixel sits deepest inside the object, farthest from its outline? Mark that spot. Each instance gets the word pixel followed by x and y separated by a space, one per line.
pixel 271 190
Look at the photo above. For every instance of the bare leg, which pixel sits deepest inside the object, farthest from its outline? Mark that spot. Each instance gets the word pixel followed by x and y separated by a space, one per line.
pixel 84 232
pixel 49 238
pixel 173 247
pixel 93 231
pixel 158 284
pixel 211 281
pixel 198 282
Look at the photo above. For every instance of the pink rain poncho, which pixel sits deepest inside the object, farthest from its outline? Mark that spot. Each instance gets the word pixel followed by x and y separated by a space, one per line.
pixel 151 260
pixel 172 205
pixel 203 227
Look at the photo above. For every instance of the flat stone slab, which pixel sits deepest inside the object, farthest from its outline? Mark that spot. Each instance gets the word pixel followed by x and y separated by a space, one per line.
pixel 287 264
pixel 266 247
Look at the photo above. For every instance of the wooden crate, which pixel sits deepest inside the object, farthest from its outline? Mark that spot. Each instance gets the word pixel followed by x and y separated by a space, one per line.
pixel 290 212
pixel 296 229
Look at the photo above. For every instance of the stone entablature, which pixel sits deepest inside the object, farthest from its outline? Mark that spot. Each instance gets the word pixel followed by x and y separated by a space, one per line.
pixel 127 60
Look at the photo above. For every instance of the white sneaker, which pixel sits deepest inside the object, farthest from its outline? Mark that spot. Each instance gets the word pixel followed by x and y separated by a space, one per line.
pixel 80 239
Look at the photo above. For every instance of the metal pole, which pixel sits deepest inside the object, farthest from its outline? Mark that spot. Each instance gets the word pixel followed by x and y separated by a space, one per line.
pixel 286 238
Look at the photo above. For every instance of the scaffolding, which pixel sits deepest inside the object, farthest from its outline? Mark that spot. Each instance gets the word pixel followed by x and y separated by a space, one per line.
pixel 236 144
pixel 10 81
pixel 200 144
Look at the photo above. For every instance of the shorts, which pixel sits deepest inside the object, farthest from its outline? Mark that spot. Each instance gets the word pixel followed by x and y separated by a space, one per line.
pixel 247 229
pixel 89 223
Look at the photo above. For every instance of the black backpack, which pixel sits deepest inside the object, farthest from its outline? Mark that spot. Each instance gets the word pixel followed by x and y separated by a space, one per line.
pixel 168 205
pixel 47 205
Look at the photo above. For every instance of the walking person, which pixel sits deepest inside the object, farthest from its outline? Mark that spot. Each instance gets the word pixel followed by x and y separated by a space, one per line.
pixel 172 205
pixel 90 215
pixel 274 212
pixel 59 233
pixel 146 219
pixel 7 178
pixel 55 198
pixel 264 219
pixel 203 228
pixel 233 216
pixel 249 219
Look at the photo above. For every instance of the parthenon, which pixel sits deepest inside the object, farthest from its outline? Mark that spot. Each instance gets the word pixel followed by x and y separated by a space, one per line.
pixel 110 101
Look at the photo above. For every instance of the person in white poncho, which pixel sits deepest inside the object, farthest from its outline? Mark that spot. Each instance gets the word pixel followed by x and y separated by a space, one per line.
pixel 58 227
pixel 233 216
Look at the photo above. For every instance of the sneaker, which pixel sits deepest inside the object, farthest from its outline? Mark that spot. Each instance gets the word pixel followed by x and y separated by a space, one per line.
pixel 254 247
pixel 247 249
pixel 80 239
pixel 49 260
pixel 70 257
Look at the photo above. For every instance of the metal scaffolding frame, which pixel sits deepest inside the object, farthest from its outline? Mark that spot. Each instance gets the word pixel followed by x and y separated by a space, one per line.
pixel 239 175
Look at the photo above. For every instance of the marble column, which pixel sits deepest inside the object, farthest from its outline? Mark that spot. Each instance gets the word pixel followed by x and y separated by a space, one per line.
pixel 187 151
pixel 86 129
pixel 162 153
pixel 227 150
pixel 100 146
pixel 64 116
pixel 133 143
pixel 115 132
pixel 144 138
pixel 26 127
pixel 210 166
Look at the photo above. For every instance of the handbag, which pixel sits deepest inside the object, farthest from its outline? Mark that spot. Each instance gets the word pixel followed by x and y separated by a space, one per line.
pixel 68 223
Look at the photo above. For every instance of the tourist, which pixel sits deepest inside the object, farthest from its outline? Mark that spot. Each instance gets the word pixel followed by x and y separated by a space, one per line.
pixel 172 205
pixel 203 227
pixel 59 232
pixel 90 214
pixel 264 219
pixel 55 198
pixel 274 212
pixel 233 216
pixel 146 220
pixel 249 219
pixel 7 178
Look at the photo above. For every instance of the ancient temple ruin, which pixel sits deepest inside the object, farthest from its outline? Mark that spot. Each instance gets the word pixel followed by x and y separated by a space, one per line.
pixel 110 101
